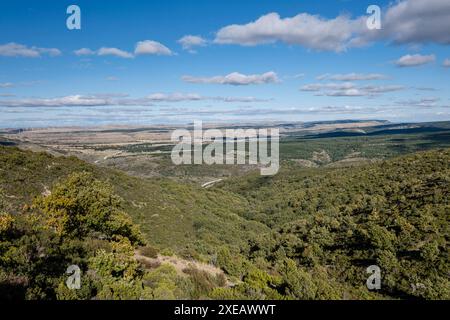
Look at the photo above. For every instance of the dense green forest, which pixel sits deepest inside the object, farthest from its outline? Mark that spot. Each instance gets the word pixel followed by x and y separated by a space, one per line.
pixel 302 234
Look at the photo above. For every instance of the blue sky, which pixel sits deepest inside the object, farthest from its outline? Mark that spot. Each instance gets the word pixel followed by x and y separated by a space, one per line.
pixel 241 61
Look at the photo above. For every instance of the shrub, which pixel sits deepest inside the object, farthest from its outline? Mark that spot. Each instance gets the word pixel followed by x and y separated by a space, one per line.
pixel 148 251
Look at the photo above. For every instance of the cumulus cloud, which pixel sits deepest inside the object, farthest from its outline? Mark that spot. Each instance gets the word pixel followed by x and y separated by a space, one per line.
pixel 418 21
pixel 19 50
pixel 189 42
pixel 303 29
pixel 352 77
pixel 146 47
pixel 236 79
pixel 405 22
pixel 152 47
pixel 414 60
pixel 446 63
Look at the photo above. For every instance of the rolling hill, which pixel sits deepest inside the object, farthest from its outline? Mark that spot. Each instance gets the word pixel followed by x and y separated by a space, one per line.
pixel 302 234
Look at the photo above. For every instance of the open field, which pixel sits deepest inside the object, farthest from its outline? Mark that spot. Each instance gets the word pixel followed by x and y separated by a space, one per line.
pixel 145 152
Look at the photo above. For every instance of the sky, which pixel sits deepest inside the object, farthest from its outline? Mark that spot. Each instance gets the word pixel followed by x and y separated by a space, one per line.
pixel 177 61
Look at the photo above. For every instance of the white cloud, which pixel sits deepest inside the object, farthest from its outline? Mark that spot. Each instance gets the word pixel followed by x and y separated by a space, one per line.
pixel 327 86
pixel 345 93
pixel 382 89
pixel 19 50
pixel 152 47
pixel 405 22
pixel 295 76
pixel 236 79
pixel 352 77
pixel 6 85
pixel 52 52
pixel 425 88
pixel 303 29
pixel 177 97
pixel 98 100
pixel 348 89
pixel 174 97
pixel 114 52
pixel 189 42
pixel 84 52
pixel 446 63
pixel 414 60
pixel 146 47
pixel 73 100
pixel 112 78
pixel 418 21
pixel 241 99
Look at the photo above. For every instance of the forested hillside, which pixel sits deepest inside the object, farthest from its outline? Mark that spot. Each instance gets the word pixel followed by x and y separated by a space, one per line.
pixel 303 234
pixel 335 223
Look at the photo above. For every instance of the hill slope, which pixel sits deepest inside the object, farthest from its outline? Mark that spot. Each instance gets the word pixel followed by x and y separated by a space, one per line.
pixel 303 234
pixel 171 215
